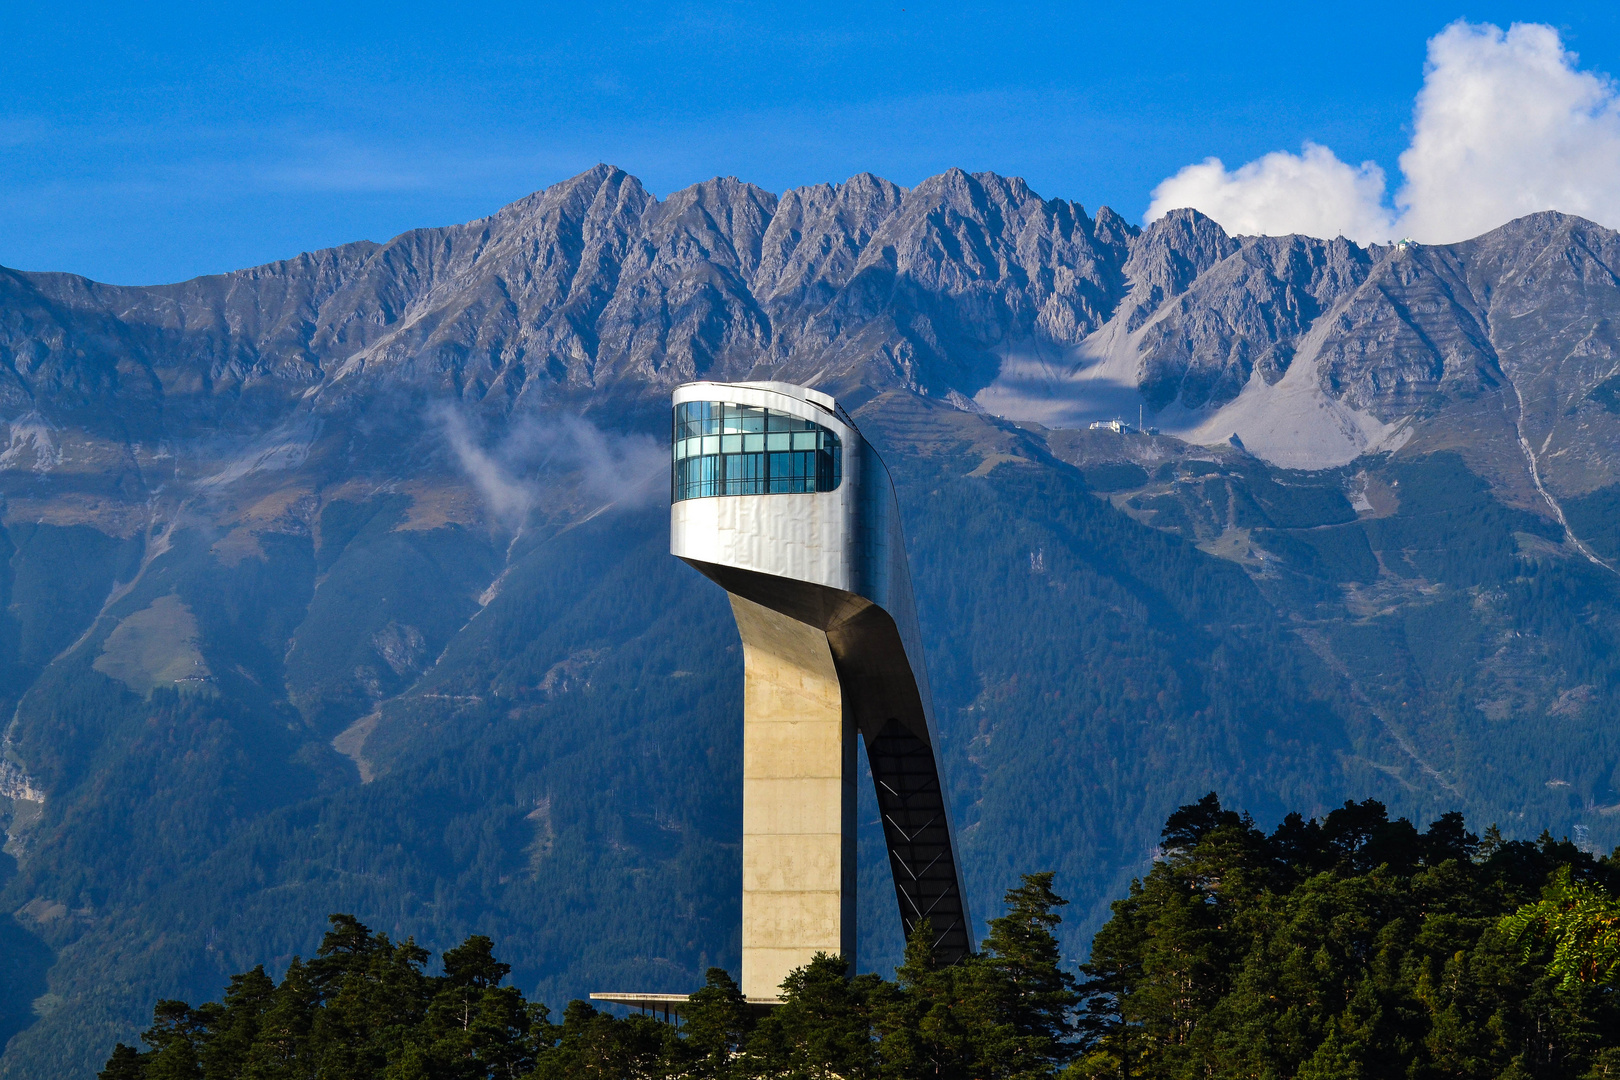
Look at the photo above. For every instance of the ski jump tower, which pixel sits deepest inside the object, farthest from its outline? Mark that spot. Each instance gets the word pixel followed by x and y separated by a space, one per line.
pixel 779 500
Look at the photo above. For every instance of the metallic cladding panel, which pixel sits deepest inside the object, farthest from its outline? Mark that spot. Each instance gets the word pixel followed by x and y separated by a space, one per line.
pixel 848 539
pixel 836 561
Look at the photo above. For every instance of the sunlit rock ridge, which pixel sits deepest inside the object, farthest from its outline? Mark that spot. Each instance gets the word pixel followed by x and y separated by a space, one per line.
pixel 1312 351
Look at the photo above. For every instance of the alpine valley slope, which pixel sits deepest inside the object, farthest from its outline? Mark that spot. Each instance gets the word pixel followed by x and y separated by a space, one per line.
pixel 341 583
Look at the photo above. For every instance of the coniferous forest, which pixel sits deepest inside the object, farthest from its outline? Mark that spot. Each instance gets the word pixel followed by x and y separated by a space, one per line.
pixel 1352 946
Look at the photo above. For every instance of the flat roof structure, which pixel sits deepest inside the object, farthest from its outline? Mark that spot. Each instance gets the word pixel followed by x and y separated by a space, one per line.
pixel 669 1005
pixel 779 500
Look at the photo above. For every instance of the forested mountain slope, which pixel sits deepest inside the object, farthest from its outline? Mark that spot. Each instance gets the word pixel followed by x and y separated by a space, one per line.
pixel 342 583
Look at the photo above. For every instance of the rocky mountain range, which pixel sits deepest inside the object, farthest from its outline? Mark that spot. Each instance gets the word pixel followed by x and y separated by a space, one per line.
pixel 340 583
pixel 594 284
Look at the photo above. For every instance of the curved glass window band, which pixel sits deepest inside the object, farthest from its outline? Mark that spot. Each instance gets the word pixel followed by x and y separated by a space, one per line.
pixel 726 449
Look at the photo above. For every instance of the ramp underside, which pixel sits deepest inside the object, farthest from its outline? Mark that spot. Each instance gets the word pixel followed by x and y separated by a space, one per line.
pixel 919 839
pixel 882 698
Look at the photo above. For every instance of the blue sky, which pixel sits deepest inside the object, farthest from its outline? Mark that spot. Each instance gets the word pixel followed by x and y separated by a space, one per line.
pixel 152 143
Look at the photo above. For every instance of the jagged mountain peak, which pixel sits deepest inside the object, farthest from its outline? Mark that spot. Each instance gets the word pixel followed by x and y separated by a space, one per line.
pixel 1543 224
pixel 986 197
pixel 578 190
pixel 1579 253
pixel 1107 221
pixel 725 217
pixel 817 236
pixel 959 185
pixel 1169 255
pixel 960 283
pixel 593 279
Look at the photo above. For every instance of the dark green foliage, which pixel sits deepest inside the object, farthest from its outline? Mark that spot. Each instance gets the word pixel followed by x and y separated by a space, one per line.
pixel 1449 528
pixel 24 960
pixel 1335 554
pixel 1458 624
pixel 1350 946
pixel 1118 654
pixel 1582 923
pixel 1310 502
pixel 365 1007
pixel 390 600
pixel 592 1045
pixel 59 577
pixel 569 760
pixel 53 579
pixel 362 1008
pixel 342 520
pixel 718 1023
pixel 823 1027
pixel 1595 518
pixel 1115 476
pixel 125 1064
pixel 1035 993
pixel 220 819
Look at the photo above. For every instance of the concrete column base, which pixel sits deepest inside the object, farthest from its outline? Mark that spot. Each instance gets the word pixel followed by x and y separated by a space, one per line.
pixel 799 793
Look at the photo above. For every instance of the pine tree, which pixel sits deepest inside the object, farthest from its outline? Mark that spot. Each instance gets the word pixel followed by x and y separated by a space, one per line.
pixel 1024 962
pixel 234 1026
pixel 476 1028
pixel 1355 946
pixel 716 1027
pixel 176 1032
pixel 283 1047
pixel 822 1028
pixel 920 1017
pixel 593 1045
pixel 1108 1021
pixel 125 1064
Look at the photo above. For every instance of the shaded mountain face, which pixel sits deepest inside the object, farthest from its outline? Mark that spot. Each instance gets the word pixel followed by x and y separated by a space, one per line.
pixel 342 583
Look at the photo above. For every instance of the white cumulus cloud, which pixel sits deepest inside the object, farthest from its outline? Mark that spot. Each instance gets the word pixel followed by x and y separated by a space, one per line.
pixel 1312 192
pixel 1505 125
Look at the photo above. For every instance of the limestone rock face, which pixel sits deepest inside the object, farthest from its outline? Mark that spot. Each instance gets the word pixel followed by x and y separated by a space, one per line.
pixel 1245 312
pixel 595 290
pixel 588 283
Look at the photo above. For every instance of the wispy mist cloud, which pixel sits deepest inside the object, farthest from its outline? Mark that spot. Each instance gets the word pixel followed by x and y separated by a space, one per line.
pixel 1505 125
pixel 505 493
pixel 625 470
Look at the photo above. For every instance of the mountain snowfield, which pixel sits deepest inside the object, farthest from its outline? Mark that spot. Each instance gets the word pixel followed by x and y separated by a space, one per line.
pixel 341 583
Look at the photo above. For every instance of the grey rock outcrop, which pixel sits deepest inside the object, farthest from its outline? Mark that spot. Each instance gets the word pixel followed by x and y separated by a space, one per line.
pixel 594 290
pixel 589 283
pixel 1244 308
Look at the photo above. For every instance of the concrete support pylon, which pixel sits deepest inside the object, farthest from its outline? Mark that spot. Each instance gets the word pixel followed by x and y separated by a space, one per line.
pixel 799 796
